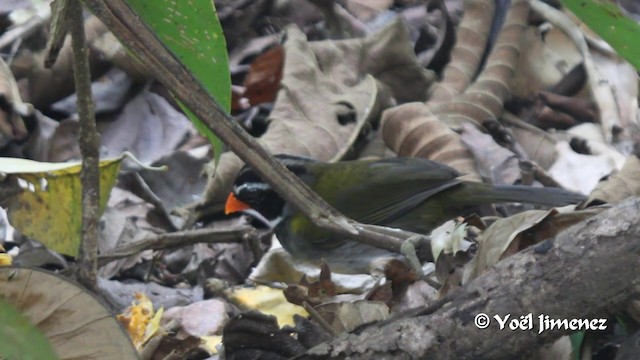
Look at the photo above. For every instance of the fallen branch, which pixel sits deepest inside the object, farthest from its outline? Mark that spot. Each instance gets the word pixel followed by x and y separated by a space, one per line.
pixel 179 239
pixel 586 272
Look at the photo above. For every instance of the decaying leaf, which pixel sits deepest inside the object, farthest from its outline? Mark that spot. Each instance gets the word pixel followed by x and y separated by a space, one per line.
pixel 621 185
pixel 268 301
pixel 19 339
pixel 76 324
pixel 49 207
pixel 202 318
pixel 408 129
pixel 448 238
pixel 580 172
pixel 346 316
pixel 509 235
pixel 12 126
pixel 414 130
pixel 263 80
pixel 546 58
pixel 278 266
pixel 328 97
pixel 140 320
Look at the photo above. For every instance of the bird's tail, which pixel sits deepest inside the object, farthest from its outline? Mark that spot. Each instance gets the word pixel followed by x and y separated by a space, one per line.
pixel 529 194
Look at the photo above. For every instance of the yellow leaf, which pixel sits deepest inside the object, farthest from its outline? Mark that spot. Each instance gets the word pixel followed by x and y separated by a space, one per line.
pixel 50 207
pixel 140 320
pixel 209 343
pixel 269 301
pixel 5 259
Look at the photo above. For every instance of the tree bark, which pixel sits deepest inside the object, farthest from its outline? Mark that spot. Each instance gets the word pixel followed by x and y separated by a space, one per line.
pixel 586 272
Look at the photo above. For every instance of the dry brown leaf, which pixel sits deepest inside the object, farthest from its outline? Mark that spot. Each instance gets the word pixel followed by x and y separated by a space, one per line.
pixel 328 97
pixel 263 80
pixel 388 55
pixel 412 130
pixel 409 129
pixel 347 316
pixel 510 235
pixel 622 185
pixel 278 266
pixel 74 322
pixel 471 39
pixel 545 60
pixel 12 126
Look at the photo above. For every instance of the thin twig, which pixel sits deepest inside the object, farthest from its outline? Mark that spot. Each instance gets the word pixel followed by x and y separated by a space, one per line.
pixel 89 148
pixel 59 27
pixel 179 239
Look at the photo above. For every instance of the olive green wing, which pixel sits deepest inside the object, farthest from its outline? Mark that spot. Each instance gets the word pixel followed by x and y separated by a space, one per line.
pixel 378 192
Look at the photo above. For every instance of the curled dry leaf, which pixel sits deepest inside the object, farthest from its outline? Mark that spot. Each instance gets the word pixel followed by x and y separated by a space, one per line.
pixel 622 185
pixel 413 130
pixel 12 108
pixel 546 58
pixel 408 129
pixel 510 235
pixel 327 96
pixel 471 39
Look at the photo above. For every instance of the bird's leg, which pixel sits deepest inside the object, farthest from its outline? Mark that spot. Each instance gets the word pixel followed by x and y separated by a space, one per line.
pixel 408 249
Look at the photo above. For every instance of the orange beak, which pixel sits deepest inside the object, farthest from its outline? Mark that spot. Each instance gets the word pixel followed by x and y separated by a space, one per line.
pixel 234 205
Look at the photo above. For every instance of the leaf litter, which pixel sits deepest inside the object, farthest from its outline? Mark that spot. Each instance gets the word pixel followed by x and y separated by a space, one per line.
pixel 346 78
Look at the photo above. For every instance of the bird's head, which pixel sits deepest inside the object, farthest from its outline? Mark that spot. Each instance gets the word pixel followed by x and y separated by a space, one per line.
pixel 253 196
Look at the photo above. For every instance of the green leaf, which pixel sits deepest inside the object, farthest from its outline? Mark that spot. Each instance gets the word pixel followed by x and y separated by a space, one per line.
pixel 192 32
pixel 577 338
pixel 607 20
pixel 19 338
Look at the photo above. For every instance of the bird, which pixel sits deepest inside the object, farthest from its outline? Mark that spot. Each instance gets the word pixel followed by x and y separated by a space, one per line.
pixel 413 194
